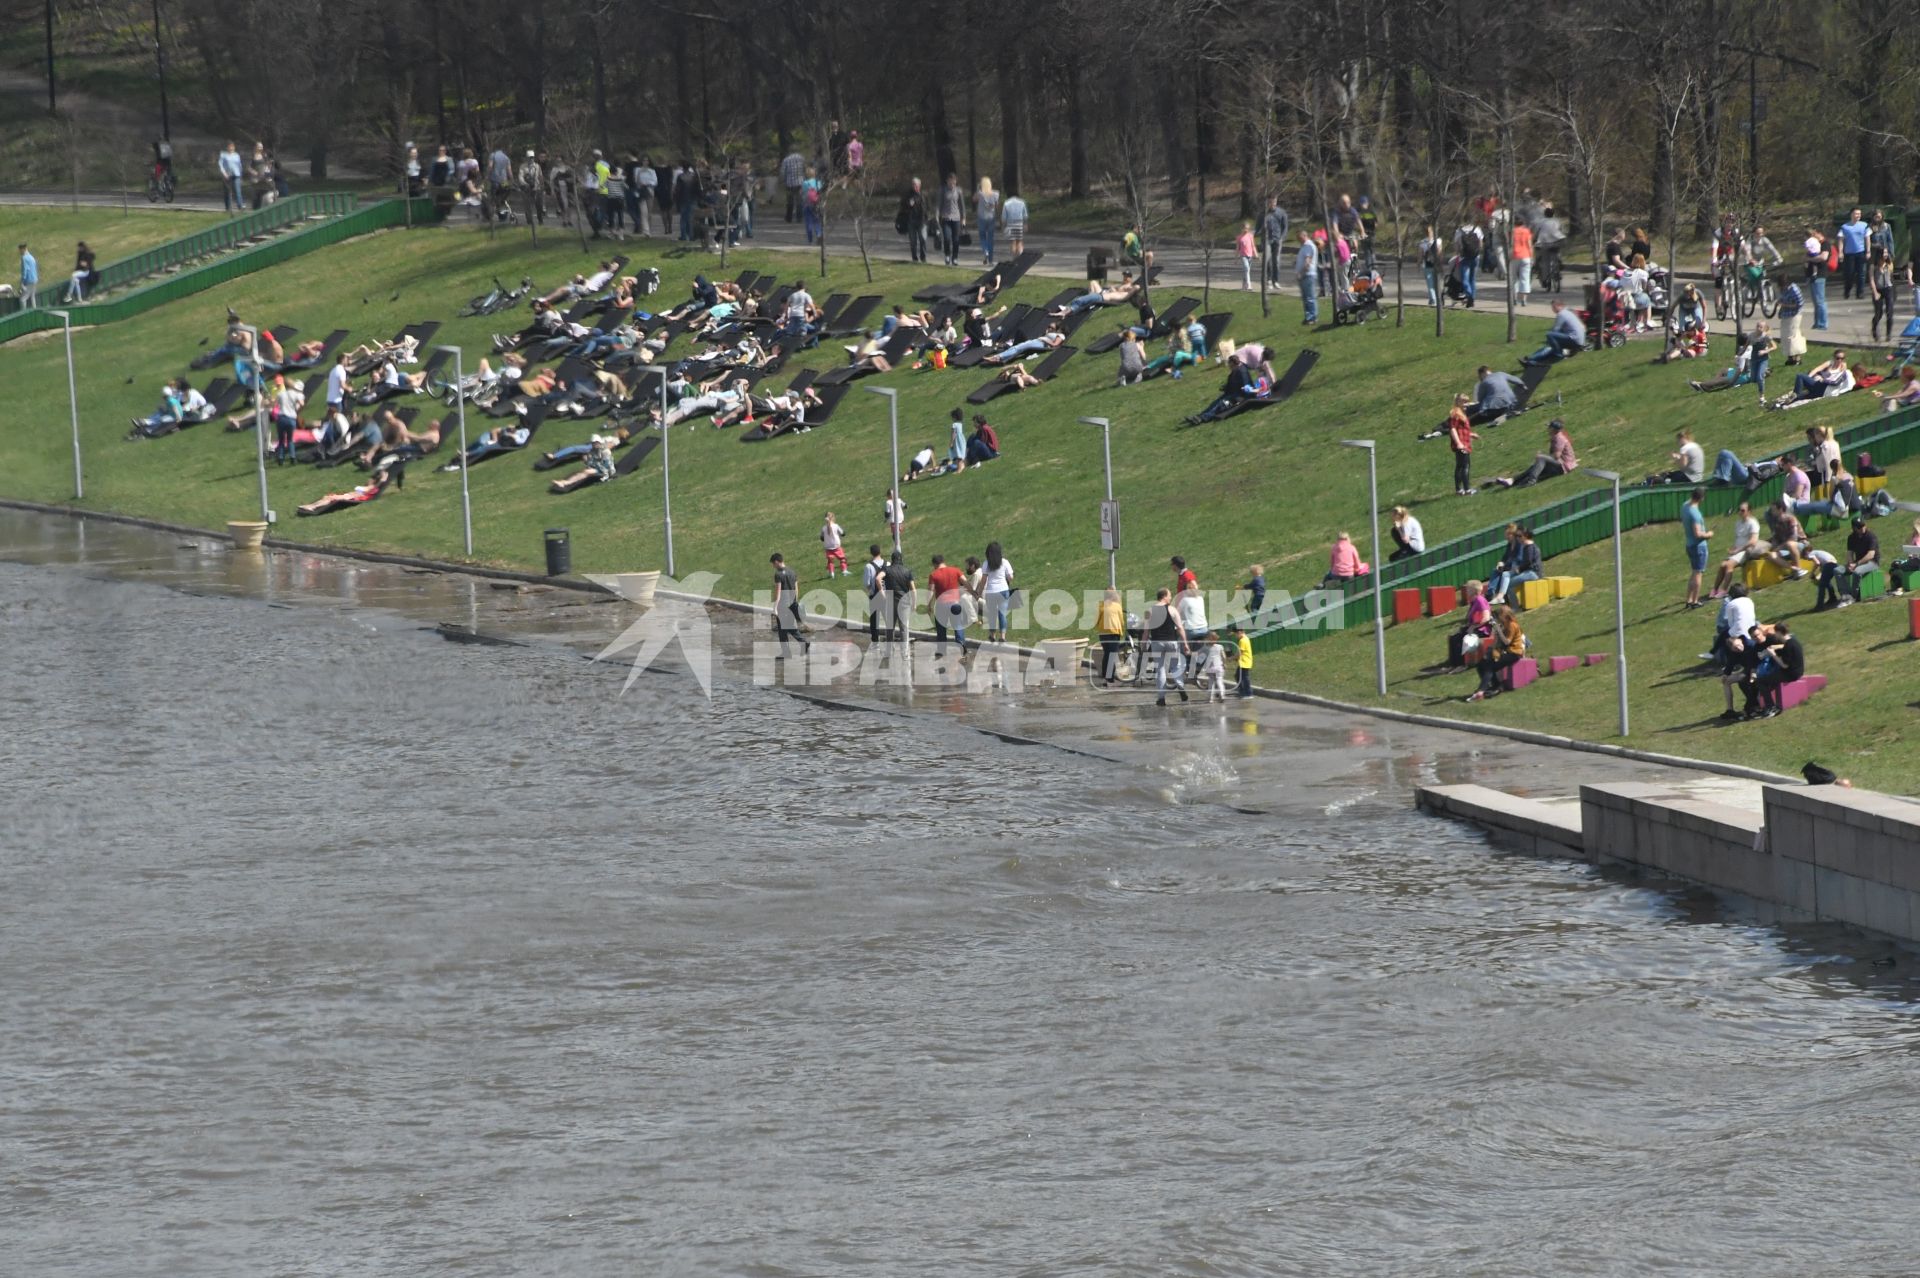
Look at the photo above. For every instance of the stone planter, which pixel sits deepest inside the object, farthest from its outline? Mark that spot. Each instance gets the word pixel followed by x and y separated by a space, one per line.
pixel 247 534
pixel 1063 657
pixel 637 587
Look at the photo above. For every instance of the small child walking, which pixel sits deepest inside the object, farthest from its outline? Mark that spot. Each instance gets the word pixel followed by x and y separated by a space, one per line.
pixel 831 535
pixel 1243 661
pixel 1213 672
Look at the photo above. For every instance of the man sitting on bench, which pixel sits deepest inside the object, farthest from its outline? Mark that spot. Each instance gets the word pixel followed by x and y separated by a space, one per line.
pixel 1566 337
pixel 1020 350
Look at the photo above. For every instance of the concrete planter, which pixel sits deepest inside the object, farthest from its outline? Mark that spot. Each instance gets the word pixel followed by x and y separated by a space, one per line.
pixel 247 534
pixel 1063 657
pixel 638 587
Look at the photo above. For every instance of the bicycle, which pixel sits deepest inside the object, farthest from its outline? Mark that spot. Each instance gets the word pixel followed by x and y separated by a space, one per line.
pixel 1758 289
pixel 1546 268
pixel 497 299
pixel 160 184
pixel 1724 290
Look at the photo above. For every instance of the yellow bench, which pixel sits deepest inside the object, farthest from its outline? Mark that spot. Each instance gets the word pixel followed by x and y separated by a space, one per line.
pixel 1532 594
pixel 1566 587
pixel 1870 484
pixel 1761 573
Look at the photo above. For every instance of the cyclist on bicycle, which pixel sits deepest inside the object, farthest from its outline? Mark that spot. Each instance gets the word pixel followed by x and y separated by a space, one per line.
pixel 1759 248
pixel 1728 246
pixel 1548 235
pixel 162 159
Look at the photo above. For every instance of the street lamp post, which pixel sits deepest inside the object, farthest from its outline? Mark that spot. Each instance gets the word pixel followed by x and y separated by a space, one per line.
pixel 259 416
pixel 460 409
pixel 666 460
pixel 1619 594
pixel 73 405
pixel 1106 449
pixel 893 480
pixel 1379 569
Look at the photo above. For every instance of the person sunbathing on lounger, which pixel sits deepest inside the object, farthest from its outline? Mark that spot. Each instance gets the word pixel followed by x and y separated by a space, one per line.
pixel 396 440
pixel 180 405
pixel 352 497
pixel 1020 350
pixel 500 439
pixel 774 410
pixel 867 355
pixel 598 468
pixel 1122 292
pixel 713 396
pixel 546 323
pixel 1017 378
pixel 1240 386
pixel 366 357
pixel 577 452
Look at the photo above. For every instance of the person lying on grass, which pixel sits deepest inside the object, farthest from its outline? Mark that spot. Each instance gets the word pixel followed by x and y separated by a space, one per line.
pixel 579 452
pixel 1240 386
pixel 366 492
pixel 1824 380
pixel 581 286
pixel 1179 355
pixel 1559 459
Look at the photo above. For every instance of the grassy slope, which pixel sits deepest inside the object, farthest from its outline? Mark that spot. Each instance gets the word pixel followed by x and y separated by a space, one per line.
pixel 114 234
pixel 1266 487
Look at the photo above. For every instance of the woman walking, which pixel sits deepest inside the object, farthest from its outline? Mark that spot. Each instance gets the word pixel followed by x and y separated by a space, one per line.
pixel 1243 245
pixel 996 592
pixel 1880 281
pixel 986 215
pixel 951 201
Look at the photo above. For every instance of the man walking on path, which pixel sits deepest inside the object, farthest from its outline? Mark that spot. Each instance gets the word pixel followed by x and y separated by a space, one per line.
pixel 1273 229
pixel 1306 270
pixel 29 280
pixel 871 581
pixel 786 606
pixel 231 170
pixel 793 171
pixel 1853 256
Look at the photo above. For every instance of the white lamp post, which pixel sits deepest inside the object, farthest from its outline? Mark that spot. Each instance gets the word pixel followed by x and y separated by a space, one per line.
pixel 893 480
pixel 73 403
pixel 666 460
pixel 1379 569
pixel 259 415
pixel 460 408
pixel 1106 449
pixel 1619 594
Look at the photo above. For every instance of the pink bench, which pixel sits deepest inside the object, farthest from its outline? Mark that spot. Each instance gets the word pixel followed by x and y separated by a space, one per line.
pixel 1520 674
pixel 1559 665
pixel 1596 658
pixel 1797 691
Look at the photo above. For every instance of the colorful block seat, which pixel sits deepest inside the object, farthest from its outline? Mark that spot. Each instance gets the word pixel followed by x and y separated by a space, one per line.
pixel 1559 665
pixel 1913 617
pixel 1532 594
pixel 1520 673
pixel 1873 585
pixel 1567 587
pixel 1865 484
pixel 1761 573
pixel 1794 692
pixel 1441 599
pixel 1406 606
pixel 1596 658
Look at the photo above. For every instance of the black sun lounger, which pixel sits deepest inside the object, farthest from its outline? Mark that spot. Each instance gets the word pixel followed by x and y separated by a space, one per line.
pixel 1163 324
pixel 893 352
pixel 1044 370
pixel 534 416
pixel 328 345
pixel 853 318
pixel 831 308
pixel 1282 390
pixel 637 452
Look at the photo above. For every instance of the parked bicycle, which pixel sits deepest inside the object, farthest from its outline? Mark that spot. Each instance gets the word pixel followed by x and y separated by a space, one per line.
pixel 496 299
pixel 160 184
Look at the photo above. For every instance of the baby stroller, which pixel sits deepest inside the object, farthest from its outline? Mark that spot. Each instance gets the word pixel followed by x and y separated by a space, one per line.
pixel 1454 287
pixel 1359 300
pixel 1904 350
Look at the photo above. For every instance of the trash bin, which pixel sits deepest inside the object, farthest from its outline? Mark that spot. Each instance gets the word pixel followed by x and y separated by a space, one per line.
pixel 559 553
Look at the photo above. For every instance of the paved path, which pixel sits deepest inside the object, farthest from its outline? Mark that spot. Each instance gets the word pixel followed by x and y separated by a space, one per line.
pixel 1182 265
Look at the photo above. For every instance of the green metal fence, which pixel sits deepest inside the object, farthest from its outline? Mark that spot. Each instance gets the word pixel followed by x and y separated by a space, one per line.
pixel 229 266
pixel 1566 525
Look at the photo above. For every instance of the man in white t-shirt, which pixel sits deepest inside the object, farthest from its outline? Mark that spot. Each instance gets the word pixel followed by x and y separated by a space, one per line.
pixel 337 382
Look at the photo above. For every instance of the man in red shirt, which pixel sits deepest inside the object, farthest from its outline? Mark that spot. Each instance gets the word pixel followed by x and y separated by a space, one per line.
pixel 1183 578
pixel 949 610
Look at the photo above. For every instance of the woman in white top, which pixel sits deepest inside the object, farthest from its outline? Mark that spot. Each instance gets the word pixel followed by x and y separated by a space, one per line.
pixel 996 591
pixel 1193 613
pixel 973 583
pixel 986 213
pixel 1409 538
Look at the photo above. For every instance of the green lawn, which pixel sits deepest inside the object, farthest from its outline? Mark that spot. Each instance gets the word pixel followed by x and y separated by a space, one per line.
pixel 1268 487
pixel 112 233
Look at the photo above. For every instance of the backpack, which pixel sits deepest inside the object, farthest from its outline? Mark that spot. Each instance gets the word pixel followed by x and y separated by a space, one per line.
pixel 1471 243
pixel 1833 256
pixel 1430 255
pixel 813 194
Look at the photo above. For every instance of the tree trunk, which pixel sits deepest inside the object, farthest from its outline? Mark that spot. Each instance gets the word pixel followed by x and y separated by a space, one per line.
pixel 682 93
pixel 1167 100
pixel 1706 149
pixel 1009 125
pixel 706 100
pixel 943 158
pixel 1660 206
pixel 973 139
pixel 1077 185
pixel 602 129
pixel 1247 209
pixel 537 71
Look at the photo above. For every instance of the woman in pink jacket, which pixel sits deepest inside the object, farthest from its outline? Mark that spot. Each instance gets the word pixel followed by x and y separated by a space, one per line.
pixel 1345 563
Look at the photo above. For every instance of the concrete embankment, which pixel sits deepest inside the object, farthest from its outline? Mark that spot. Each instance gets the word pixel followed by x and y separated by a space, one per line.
pixel 1813 853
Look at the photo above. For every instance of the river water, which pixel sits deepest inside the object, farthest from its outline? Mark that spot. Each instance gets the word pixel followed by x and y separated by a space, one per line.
pixel 334 947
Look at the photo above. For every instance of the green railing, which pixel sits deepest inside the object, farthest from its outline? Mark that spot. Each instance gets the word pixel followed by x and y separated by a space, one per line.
pixel 228 266
pixel 221 238
pixel 1579 520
